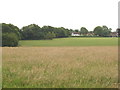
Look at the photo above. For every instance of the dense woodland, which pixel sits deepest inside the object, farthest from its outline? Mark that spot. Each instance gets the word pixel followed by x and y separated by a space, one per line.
pixel 11 34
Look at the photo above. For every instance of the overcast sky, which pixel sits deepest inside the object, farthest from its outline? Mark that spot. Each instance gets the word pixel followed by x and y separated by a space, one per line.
pixel 72 14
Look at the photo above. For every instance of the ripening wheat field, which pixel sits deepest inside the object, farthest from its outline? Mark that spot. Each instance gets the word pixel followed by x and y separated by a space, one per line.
pixel 60 67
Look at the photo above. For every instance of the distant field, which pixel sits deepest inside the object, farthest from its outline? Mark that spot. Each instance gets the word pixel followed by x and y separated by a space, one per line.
pixel 72 42
pixel 60 67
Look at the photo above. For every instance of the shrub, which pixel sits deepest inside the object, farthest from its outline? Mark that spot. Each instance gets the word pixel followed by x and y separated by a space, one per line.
pixel 9 39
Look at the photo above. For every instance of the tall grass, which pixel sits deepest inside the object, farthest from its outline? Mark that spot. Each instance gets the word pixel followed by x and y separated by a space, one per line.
pixel 60 67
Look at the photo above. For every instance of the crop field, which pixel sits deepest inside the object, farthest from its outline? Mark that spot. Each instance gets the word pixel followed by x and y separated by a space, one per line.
pixel 80 65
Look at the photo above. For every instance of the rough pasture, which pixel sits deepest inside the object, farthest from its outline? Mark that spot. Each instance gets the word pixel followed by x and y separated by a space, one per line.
pixel 60 67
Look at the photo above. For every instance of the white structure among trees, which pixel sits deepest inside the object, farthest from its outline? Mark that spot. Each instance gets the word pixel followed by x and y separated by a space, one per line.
pixel 75 34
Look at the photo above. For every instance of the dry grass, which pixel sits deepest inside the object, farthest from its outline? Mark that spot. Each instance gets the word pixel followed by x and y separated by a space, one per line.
pixel 60 67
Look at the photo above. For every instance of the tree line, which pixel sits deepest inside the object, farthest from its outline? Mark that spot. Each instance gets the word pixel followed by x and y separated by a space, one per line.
pixel 100 31
pixel 34 32
pixel 11 34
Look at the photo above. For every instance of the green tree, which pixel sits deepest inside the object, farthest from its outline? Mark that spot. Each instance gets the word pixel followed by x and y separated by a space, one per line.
pixel 50 35
pixel 10 35
pixel 61 32
pixel 98 31
pixel 102 31
pixel 106 31
pixel 76 30
pixel 9 39
pixel 32 32
pixel 10 28
pixel 83 31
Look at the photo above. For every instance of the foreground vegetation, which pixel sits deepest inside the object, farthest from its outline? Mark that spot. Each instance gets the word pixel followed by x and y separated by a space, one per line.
pixel 72 42
pixel 60 67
